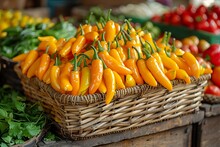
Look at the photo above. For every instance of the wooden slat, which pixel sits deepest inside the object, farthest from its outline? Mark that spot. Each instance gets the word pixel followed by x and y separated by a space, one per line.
pixel 152 129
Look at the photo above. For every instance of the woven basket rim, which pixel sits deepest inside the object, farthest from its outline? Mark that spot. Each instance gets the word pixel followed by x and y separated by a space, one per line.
pixel 92 98
pixel 213 99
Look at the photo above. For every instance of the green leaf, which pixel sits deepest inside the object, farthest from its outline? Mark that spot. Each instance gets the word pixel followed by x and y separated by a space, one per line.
pixel 20 106
pixel 15 129
pixel 19 141
pixel 3 145
pixel 3 114
pixel 7 139
pixel 3 127
pixel 31 130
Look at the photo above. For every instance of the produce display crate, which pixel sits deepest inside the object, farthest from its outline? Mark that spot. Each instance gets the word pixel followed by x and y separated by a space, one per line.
pixel 181 32
pixel 8 75
pixel 81 117
pixel 209 128
pixel 175 132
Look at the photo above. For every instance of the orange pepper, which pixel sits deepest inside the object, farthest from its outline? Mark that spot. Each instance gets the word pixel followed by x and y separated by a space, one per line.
pixel 46 77
pixel 119 81
pixel 85 79
pixel 29 60
pixel 171 74
pixel 102 87
pixel 78 44
pixel 91 36
pixel 43 66
pixel 155 54
pixel 54 74
pixel 109 80
pixel 192 63
pixel 181 63
pixel 129 81
pixel 60 43
pixel 145 73
pixel 96 72
pixel 112 62
pixel 87 29
pixel 48 39
pixel 64 81
pixel 75 77
pixel 114 53
pixel 32 70
pixel 67 47
pixel 158 74
pixel 110 30
pixel 148 37
pixel 131 64
pixel 117 27
pixel 20 57
pixel 120 51
pixel 181 74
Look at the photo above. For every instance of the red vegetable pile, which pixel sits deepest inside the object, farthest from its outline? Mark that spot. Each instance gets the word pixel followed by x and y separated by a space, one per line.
pixel 199 18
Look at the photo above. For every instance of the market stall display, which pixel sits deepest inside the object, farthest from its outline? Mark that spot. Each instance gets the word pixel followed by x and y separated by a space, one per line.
pixel 78 78
pixel 122 76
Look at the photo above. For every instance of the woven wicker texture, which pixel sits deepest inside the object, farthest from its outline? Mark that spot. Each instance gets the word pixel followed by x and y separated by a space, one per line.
pixel 212 99
pixel 8 75
pixel 80 117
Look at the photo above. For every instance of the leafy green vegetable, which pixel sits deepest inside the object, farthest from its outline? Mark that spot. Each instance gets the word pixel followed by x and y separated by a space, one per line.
pixel 21 40
pixel 19 120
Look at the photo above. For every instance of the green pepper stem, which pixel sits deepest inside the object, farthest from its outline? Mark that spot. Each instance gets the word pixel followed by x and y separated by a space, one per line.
pixel 129 53
pixel 109 46
pixel 128 24
pixel 151 48
pixel 97 25
pixel 148 55
pixel 173 45
pixel 139 56
pixel 104 65
pixel 100 47
pixel 81 29
pixel 109 14
pixel 75 62
pixel 103 36
pixel 158 49
pixel 95 55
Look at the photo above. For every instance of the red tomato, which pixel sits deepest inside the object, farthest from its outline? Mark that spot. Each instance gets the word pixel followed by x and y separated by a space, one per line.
pixel 194 49
pixel 212 89
pixel 216 75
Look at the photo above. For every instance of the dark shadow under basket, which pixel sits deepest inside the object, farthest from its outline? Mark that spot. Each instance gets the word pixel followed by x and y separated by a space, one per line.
pixel 8 75
pixel 80 117
pixel 211 99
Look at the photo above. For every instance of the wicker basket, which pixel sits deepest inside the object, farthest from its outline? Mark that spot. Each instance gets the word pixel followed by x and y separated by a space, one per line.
pixel 8 75
pixel 81 117
pixel 212 99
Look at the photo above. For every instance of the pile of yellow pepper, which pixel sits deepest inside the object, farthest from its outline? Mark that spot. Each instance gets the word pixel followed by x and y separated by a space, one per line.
pixel 106 57
pixel 10 18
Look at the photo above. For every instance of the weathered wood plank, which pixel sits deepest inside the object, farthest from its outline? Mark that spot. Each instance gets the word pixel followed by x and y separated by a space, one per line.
pixel 210 132
pixel 211 109
pixel 137 132
pixel 177 137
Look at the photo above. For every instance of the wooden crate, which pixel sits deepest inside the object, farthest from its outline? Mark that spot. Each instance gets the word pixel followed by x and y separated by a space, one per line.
pixel 209 129
pixel 173 132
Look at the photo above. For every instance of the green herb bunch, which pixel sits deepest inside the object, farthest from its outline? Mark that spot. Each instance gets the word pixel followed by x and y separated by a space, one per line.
pixel 19 120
